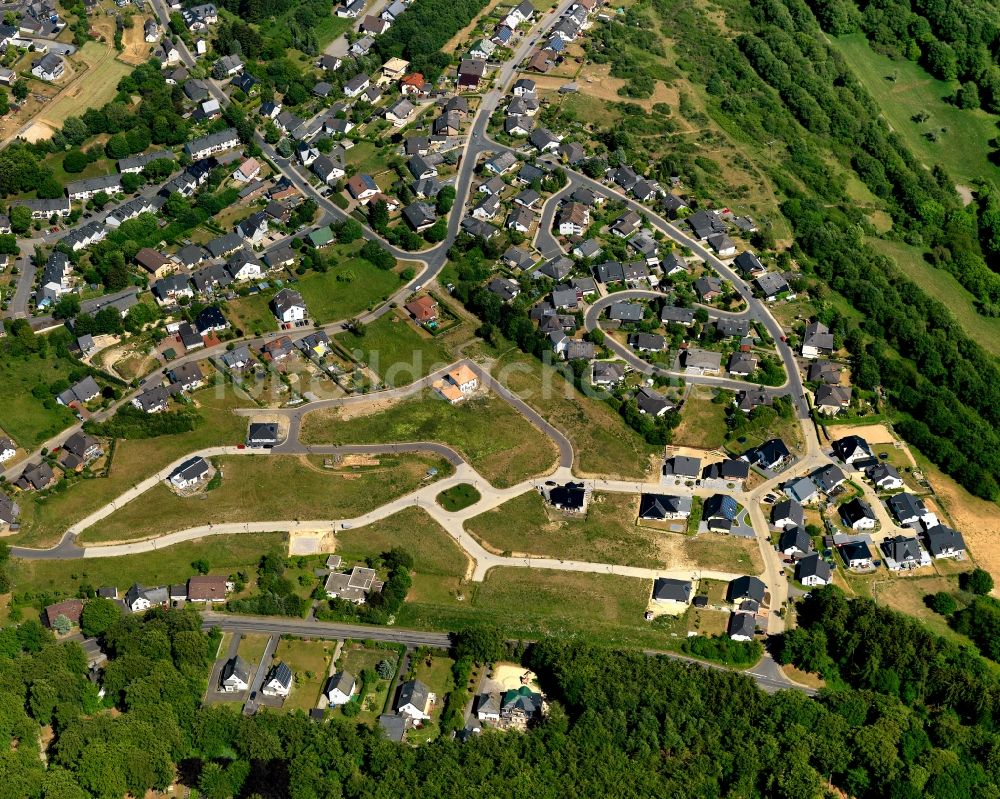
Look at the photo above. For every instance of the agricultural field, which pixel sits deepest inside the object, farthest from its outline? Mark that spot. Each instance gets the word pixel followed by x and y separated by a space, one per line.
pixel 345 290
pixel 499 443
pixel 268 488
pixel 902 90
pixel 396 350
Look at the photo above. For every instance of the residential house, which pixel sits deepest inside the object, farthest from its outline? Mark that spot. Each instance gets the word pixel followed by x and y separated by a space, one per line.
pixel 139 599
pixel 857 515
pixel 904 552
pixel 816 340
pixel 647 342
pixel 708 288
pixel 724 246
pixel 706 223
pixel 772 284
pixel 607 373
pixel 746 589
pixel 828 478
pixel 83 190
pixel 419 216
pixel 909 509
pixel 340 688
pixel 769 455
pixel 650 402
pixel 362 187
pixel 189 473
pixel 82 391
pixel 788 513
pixel 70 609
pixel 262 435
pixel 682 466
pixel 289 306
pixel 626 312
pixel 207 588
pixel 501 164
pixel 742 626
pixel 942 541
pixel 415 701
pixel 824 372
pixel 247 171
pixel 327 170
pixel 544 140
pixel 852 449
pixel 10 511
pixel 672 593
pixel 423 309
pixel 813 571
pixel 573 219
pixel 8 449
pixel 671 314
pixel 238 359
pixel 663 507
pixel 78 450
pixel 570 497
pixel 885 477
pixel 625 225
pixel 36 476
pixel 399 113
pixel 152 400
pixel 801 490
pixel 187 376
pixel 470 72
pixel 699 361
pixel 830 400
pixel 729 469
pixel 742 364
pixel 49 67
pixel 719 511
pixel 278 681
pixel 211 144
pixel 794 541
pixel 235 676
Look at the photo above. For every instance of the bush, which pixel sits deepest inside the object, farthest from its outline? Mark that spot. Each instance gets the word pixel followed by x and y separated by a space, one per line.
pixel 978 582
pixel 944 603
pixel 722 649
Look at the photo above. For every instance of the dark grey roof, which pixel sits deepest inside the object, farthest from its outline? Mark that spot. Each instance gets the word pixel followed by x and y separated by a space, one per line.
pixel 280 673
pixel 942 540
pixel 742 624
pixel 902 549
pixel 237 667
pixel 746 588
pixel 788 509
pixel 720 506
pixel 813 566
pixel 906 506
pixel 660 506
pixel 794 538
pixel 682 466
pixel 413 692
pixel 854 511
pixel 675 590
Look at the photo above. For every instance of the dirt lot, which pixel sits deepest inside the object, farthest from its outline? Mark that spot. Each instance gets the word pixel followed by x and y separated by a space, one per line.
pixel 93 86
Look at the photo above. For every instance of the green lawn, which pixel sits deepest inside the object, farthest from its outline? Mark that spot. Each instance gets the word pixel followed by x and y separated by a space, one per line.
pixel 225 554
pixel 251 649
pixel 355 658
pixel 259 488
pixel 396 350
pixel 458 497
pixel 602 442
pixel 252 314
pixel 330 28
pixel 499 443
pixel 963 136
pixel 345 290
pixel 703 422
pixel 439 564
pixel 607 534
pixel 45 519
pixel 366 157
pixel 435 673
pixel 30 421
pixel 309 661
pixel 944 287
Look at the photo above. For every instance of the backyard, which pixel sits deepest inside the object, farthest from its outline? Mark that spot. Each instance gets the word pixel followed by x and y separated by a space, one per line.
pixel 499 443
pixel 309 661
pixel 28 420
pixel 262 488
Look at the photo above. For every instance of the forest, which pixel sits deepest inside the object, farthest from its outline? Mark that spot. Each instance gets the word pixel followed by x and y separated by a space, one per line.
pixel 946 388
pixel 617 724
pixel 420 33
pixel 953 41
